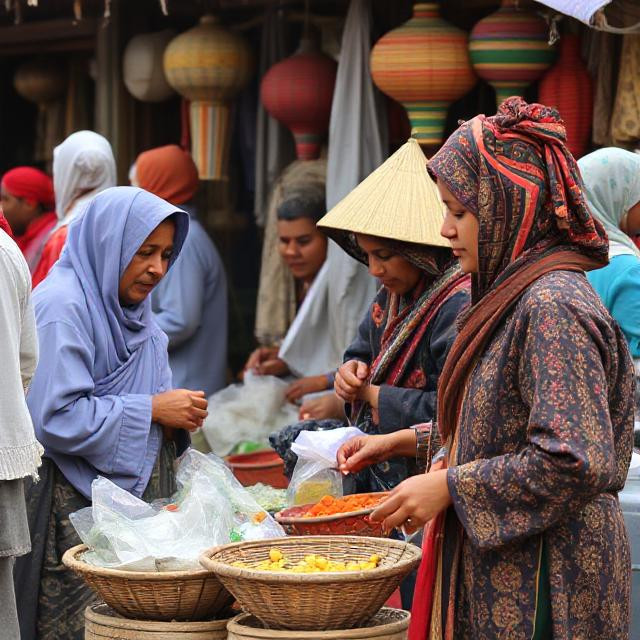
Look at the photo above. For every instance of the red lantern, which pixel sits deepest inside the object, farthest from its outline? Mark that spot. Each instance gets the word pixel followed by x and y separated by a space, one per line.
pixel 568 87
pixel 298 92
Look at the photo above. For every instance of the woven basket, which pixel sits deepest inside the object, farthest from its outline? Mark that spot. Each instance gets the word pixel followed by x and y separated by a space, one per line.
pixel 167 595
pixel 307 602
pixel 102 623
pixel 352 523
pixel 387 624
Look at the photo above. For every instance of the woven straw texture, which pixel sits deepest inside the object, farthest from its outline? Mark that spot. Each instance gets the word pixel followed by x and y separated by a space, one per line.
pixel 387 624
pixel 170 595
pixel 510 50
pixel 352 523
pixel 102 623
pixel 298 91
pixel 398 201
pixel 424 64
pixel 208 63
pixel 308 602
pixel 568 87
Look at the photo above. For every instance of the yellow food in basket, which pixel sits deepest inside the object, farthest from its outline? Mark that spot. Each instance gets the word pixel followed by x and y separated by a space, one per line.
pixel 312 563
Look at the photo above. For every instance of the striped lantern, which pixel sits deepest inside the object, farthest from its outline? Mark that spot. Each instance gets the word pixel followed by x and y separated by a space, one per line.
pixel 510 50
pixel 424 65
pixel 208 65
pixel 568 87
pixel 298 92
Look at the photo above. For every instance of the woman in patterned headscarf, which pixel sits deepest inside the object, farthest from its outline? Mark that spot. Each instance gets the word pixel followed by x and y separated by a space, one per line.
pixel 526 538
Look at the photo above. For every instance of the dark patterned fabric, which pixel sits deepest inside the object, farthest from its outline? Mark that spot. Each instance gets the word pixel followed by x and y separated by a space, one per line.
pixel 545 440
pixel 405 343
pixel 535 399
pixel 515 173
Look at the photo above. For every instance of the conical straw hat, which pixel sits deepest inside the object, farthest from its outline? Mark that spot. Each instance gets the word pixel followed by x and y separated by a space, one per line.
pixel 398 201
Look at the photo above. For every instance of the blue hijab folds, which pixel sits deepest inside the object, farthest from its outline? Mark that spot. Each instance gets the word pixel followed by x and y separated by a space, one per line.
pixel 100 362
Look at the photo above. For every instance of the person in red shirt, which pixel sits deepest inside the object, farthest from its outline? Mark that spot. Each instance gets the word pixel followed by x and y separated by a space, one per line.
pixel 28 203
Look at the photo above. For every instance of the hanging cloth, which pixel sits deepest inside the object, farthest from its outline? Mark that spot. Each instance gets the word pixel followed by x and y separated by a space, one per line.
pixel 328 319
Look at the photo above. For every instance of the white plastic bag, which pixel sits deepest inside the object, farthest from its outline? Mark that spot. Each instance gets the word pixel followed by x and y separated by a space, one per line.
pixel 209 508
pixel 248 411
pixel 315 474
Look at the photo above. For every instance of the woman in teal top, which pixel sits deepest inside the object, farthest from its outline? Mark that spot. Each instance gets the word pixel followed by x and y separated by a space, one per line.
pixel 612 184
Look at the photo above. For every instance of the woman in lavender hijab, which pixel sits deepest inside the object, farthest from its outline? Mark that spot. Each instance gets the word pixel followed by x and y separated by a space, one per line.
pixel 101 398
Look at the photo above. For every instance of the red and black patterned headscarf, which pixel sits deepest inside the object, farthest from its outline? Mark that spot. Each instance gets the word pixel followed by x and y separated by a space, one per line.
pixel 515 173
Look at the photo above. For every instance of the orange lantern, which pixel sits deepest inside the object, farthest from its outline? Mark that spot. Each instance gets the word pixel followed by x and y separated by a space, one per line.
pixel 424 65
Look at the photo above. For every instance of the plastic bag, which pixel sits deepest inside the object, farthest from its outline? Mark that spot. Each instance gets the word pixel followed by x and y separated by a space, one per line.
pixel 248 411
pixel 315 474
pixel 209 508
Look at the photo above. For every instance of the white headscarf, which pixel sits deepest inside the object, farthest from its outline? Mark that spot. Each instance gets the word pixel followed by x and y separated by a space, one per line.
pixel 612 186
pixel 82 165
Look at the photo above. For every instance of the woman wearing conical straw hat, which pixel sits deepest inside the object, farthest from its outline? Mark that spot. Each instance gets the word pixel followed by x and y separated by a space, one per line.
pixel 391 222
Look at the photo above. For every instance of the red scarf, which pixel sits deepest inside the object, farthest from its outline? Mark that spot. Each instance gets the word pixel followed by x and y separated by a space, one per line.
pixel 34 231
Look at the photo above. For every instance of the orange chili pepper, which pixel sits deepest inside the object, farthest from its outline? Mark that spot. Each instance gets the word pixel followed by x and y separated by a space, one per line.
pixel 329 506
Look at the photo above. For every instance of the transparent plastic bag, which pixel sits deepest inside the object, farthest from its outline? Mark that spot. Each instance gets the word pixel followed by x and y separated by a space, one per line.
pixel 209 508
pixel 315 474
pixel 247 411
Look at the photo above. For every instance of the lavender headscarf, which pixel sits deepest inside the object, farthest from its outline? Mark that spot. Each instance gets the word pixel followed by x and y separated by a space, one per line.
pixel 90 398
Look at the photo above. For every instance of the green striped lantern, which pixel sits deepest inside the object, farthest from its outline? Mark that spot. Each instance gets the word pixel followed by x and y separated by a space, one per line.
pixel 424 65
pixel 510 50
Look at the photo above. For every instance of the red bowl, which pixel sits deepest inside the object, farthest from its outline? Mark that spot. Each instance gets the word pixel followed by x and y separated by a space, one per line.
pixel 260 466
pixel 351 523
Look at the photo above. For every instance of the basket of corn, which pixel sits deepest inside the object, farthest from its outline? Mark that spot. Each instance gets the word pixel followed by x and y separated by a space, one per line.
pixel 334 516
pixel 153 595
pixel 307 583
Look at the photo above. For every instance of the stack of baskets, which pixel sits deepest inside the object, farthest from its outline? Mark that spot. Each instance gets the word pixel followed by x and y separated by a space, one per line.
pixel 315 605
pixel 181 605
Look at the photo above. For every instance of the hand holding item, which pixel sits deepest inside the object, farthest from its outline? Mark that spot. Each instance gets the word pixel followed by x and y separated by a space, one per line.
pixel 304 386
pixel 323 408
pixel 351 380
pixel 259 356
pixel 273 367
pixel 363 451
pixel 179 409
pixel 414 502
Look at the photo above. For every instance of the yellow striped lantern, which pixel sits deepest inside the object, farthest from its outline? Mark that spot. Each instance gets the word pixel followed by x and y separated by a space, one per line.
pixel 510 49
pixel 424 65
pixel 208 65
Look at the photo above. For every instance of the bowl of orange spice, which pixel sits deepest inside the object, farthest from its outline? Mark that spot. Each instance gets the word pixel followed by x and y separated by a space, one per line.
pixel 334 516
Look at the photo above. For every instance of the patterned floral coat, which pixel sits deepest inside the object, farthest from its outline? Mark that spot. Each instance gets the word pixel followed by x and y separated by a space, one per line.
pixel 545 440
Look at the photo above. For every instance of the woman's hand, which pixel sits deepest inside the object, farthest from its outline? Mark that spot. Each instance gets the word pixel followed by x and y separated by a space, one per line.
pixel 265 362
pixel 322 408
pixel 273 367
pixel 260 355
pixel 351 380
pixel 179 409
pixel 363 451
pixel 414 502
pixel 303 386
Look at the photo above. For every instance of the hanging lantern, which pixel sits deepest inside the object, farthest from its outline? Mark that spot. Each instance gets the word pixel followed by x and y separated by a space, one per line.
pixel 142 68
pixel 44 82
pixel 510 50
pixel 568 87
pixel 424 65
pixel 208 65
pixel 298 92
